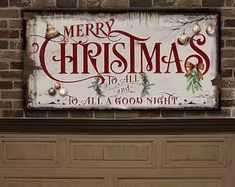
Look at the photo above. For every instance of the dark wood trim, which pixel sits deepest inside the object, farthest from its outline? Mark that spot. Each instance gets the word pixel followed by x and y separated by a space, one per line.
pixel 118 126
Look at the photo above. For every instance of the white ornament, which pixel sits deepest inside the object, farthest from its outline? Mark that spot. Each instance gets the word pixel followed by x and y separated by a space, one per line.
pixel 63 92
pixel 183 38
pixel 196 28
pixel 210 30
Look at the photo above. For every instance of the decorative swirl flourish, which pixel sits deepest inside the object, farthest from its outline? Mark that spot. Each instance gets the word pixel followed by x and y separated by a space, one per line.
pixel 36 47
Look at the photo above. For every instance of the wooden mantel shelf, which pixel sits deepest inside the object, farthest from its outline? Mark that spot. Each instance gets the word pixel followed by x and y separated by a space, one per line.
pixel 221 125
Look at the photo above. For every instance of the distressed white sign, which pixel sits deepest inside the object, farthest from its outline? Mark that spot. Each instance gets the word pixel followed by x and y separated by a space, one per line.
pixel 124 60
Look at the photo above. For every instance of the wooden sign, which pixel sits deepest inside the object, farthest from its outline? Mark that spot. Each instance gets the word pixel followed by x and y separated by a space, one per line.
pixel 122 60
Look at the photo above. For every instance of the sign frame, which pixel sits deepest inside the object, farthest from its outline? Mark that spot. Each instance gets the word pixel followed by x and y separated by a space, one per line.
pixel 27 67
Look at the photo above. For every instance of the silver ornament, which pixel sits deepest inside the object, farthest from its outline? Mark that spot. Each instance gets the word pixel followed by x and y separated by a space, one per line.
pixel 183 38
pixel 52 91
pixel 63 92
pixel 57 85
pixel 196 28
pixel 210 30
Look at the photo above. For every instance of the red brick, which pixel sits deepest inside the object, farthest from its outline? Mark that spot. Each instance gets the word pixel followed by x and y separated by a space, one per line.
pixel 227 53
pixel 164 3
pixel 9 13
pixel 227 12
pixel 9 34
pixel 104 114
pixel 12 95
pixel 45 3
pixel 3 24
pixel 11 54
pixel 189 114
pixel 4 65
pixel 230 3
pixel 15 23
pixel 228 83
pixel 81 114
pixel 189 3
pixel 148 114
pixel 115 3
pixel 228 63
pixel 3 3
pixel 233 114
pixel 227 103
pixel 172 113
pixel 126 114
pixel 18 104
pixel 66 4
pixel 229 23
pixel 6 85
pixel 230 43
pixel 219 113
pixel 212 3
pixel 16 44
pixel 229 33
pixel 3 44
pixel 19 3
pixel 140 3
pixel 89 4
pixel 227 94
pixel 58 114
pixel 227 73
pixel 18 84
pixel 12 113
pixel 5 104
pixel 16 65
pixel 11 75
pixel 33 113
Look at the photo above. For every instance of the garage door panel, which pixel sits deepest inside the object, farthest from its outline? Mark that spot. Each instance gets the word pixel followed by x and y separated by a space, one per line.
pixel 194 152
pixel 112 152
pixel 170 182
pixel 33 152
pixel 89 182
pixel 67 160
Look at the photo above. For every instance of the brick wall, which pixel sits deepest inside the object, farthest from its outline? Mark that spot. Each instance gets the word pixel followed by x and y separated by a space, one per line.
pixel 11 34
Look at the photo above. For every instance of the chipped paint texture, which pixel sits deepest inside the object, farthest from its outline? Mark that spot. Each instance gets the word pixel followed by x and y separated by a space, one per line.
pixel 134 60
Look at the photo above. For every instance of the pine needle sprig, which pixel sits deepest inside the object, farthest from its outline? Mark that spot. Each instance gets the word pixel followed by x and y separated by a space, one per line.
pixel 194 82
pixel 146 85
pixel 97 87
